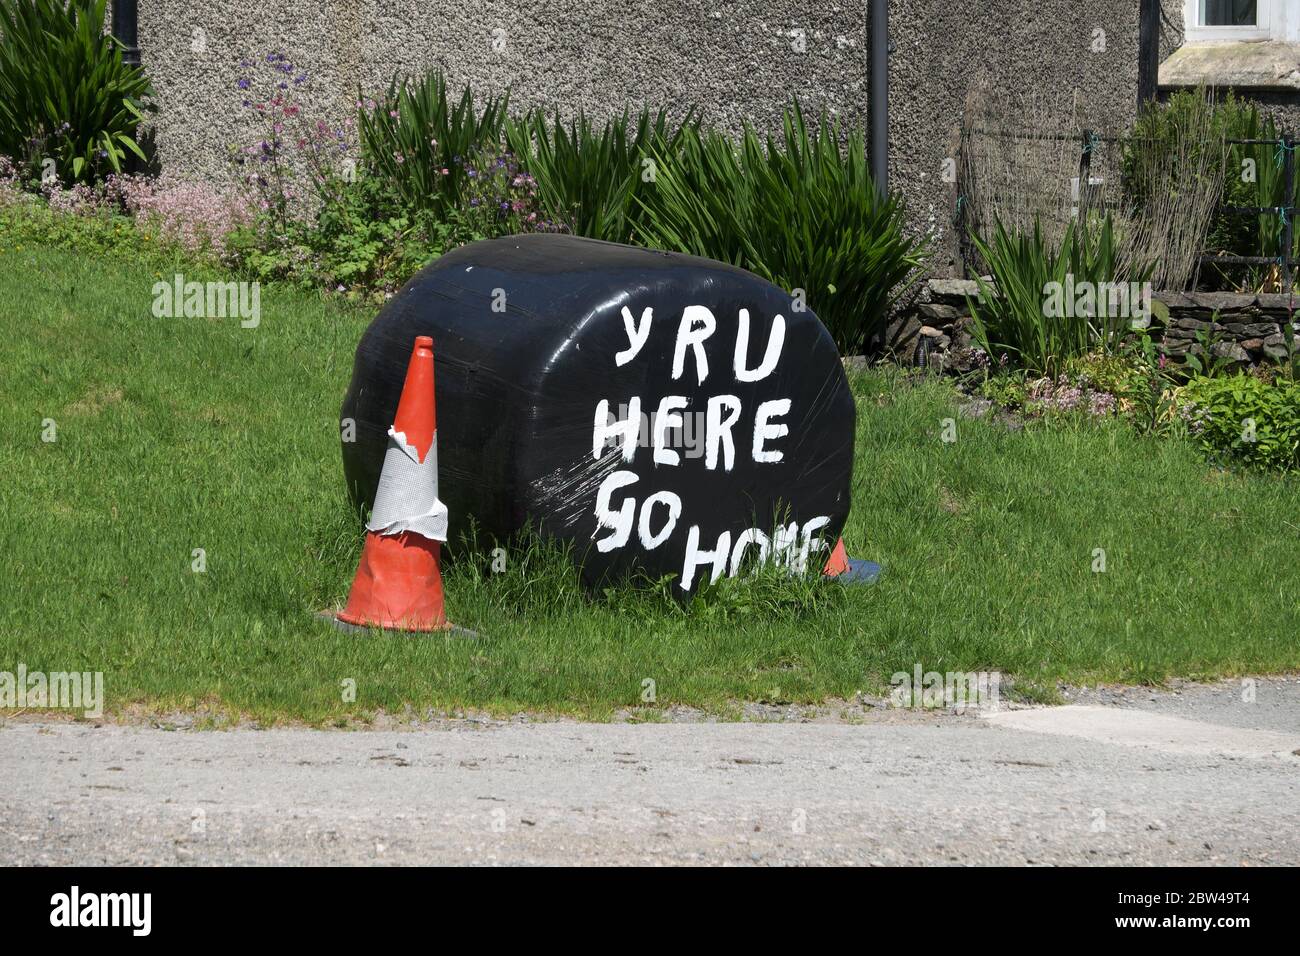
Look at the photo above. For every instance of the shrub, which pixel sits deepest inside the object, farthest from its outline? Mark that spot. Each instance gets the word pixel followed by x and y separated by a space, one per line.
pixel 364 238
pixel 418 140
pixel 1013 315
pixel 198 216
pixel 801 213
pixel 1180 172
pixel 1264 187
pixel 295 161
pixel 88 227
pixel 594 183
pixel 1245 419
pixel 65 93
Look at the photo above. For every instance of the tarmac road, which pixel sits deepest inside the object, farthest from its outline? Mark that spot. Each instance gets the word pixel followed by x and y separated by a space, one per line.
pixel 1134 777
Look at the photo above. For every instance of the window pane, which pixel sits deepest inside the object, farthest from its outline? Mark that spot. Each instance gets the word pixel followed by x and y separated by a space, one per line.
pixel 1228 13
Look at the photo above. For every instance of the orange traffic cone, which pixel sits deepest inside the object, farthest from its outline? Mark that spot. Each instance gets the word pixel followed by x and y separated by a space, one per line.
pixel 838 562
pixel 398 583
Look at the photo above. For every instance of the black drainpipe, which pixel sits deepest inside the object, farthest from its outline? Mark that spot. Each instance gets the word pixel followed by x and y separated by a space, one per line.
pixel 1148 51
pixel 124 29
pixel 879 93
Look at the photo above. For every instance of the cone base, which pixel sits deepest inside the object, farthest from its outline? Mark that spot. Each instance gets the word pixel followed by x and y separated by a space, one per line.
pixel 398 585
pixel 838 562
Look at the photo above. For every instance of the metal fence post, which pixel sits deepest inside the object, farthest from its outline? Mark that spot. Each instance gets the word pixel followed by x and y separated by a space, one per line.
pixel 1085 168
pixel 1288 209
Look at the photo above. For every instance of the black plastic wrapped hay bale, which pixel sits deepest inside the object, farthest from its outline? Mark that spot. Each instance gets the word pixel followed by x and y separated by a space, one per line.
pixel 737 454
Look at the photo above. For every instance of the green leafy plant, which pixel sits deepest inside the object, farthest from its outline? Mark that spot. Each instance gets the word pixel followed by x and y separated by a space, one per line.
pixel 419 140
pixel 1174 172
pixel 1191 134
pixel 1205 360
pixel 1245 419
pixel 1029 310
pixel 594 183
pixel 65 92
pixel 1256 178
pixel 798 211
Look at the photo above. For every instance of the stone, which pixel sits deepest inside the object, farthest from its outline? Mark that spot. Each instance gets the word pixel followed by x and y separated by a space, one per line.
pixel 1240 64
pixel 901 333
pixel 1175 300
pixel 944 314
pixel 1276 302
pixel 1250 329
pixel 1230 351
pixel 1222 301
pixel 975 408
pixel 953 288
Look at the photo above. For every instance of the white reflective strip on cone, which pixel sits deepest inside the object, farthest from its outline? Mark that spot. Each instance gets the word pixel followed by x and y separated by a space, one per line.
pixel 407 496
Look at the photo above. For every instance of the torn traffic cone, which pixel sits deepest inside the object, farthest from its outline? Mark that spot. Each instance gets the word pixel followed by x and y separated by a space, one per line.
pixel 845 570
pixel 398 583
pixel 838 562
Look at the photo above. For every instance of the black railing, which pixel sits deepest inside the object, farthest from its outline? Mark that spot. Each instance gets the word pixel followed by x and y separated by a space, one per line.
pixel 1286 260
pixel 1087 199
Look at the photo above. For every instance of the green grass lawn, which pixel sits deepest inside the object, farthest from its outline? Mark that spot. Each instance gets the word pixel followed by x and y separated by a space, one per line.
pixel 178 434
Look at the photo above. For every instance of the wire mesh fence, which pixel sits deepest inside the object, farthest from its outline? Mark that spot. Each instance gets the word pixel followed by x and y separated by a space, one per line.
pixel 1024 161
pixel 1275 224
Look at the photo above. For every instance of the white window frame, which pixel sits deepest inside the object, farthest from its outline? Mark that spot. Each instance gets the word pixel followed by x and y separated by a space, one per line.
pixel 1275 20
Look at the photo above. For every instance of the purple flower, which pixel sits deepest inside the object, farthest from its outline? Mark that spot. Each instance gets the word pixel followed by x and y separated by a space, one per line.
pixel 243 83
